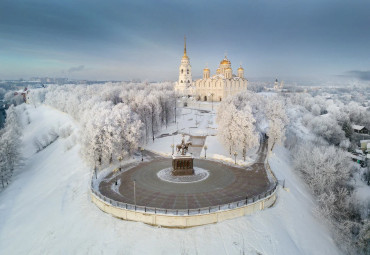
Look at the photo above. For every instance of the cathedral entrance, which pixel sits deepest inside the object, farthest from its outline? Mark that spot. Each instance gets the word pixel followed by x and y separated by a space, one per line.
pixel 205 98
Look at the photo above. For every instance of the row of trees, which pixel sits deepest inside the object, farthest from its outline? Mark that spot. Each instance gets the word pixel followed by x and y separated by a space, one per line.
pixel 115 118
pixel 243 117
pixel 10 145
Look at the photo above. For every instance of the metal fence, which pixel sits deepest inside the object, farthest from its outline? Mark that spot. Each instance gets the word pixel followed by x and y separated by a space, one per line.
pixel 197 211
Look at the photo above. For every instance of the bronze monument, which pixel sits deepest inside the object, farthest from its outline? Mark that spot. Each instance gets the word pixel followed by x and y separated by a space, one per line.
pixel 182 163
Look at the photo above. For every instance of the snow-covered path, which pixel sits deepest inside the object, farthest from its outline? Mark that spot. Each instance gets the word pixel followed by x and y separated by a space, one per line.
pixel 47 210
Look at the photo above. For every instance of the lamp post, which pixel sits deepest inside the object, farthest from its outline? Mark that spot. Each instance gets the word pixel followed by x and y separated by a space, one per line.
pixel 142 149
pixel 96 174
pixel 120 165
pixel 175 107
pixel 172 146
pixel 212 100
pixel 135 193
pixel 115 172
pixel 235 154
pixel 244 153
pixel 205 151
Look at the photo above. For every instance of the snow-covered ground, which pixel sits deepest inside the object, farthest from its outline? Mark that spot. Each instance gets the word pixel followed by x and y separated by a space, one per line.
pixel 47 210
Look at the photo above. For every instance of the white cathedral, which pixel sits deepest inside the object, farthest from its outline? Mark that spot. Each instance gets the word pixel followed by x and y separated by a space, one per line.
pixel 211 88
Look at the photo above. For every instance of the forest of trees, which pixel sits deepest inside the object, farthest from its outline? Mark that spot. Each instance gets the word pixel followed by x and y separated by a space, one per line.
pixel 318 137
pixel 115 118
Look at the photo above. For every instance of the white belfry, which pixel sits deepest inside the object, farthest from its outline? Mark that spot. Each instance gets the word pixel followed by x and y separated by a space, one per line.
pixel 184 84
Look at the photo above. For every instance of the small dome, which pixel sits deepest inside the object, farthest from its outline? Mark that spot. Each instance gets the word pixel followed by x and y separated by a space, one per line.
pixel 228 68
pixel 206 69
pixel 240 68
pixel 185 57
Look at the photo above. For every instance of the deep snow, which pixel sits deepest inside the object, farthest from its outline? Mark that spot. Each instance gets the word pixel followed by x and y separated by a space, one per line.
pixel 47 210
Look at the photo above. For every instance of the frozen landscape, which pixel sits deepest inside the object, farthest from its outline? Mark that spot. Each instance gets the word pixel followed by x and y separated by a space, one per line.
pixel 47 209
pixel 185 127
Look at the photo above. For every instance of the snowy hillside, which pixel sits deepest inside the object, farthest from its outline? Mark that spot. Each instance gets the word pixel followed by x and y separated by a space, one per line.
pixel 47 210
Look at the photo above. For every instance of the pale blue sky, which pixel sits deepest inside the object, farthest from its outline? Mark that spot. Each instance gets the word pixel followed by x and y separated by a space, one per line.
pixel 124 40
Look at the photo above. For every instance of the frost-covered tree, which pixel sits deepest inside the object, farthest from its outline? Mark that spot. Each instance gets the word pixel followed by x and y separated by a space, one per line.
pixel 2 92
pixel 328 128
pixel 10 145
pixel 276 115
pixel 13 98
pixel 236 128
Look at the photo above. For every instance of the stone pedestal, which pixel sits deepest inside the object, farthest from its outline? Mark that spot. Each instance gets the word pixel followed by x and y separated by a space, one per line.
pixel 182 165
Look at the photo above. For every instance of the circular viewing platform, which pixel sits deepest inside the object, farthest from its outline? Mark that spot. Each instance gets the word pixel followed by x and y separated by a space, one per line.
pixel 225 184
pixel 223 191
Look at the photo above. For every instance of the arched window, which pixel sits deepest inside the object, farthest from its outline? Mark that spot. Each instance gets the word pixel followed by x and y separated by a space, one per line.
pixel 187 71
pixel 188 81
pixel 182 71
pixel 181 81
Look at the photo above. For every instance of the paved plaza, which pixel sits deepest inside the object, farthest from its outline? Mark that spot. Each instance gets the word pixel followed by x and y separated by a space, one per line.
pixel 225 184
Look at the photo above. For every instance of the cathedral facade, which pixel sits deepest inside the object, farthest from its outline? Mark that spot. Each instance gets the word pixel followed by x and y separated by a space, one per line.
pixel 221 85
pixel 211 88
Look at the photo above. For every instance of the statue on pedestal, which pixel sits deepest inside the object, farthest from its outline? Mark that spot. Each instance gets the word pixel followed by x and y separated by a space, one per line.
pixel 182 164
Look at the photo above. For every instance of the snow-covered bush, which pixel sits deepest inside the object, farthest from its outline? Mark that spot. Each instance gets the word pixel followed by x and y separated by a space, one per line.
pixel 66 131
pixel 45 140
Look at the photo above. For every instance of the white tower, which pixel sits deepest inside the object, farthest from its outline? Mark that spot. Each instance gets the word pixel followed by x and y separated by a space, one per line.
pixel 185 81
pixel 276 84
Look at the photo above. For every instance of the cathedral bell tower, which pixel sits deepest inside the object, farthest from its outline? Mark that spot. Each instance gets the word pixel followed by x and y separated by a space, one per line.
pixel 185 79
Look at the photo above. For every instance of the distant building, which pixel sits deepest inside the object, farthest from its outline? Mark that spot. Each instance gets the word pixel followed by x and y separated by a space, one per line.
pixel 365 145
pixel 360 129
pixel 277 86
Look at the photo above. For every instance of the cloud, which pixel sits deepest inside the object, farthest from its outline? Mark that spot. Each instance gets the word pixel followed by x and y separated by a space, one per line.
pixel 76 69
pixel 362 75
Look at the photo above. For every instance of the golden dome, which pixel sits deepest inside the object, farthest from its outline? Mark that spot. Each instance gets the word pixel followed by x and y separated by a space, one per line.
pixel 225 61
pixel 206 69
pixel 185 56
pixel 228 68
pixel 240 68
